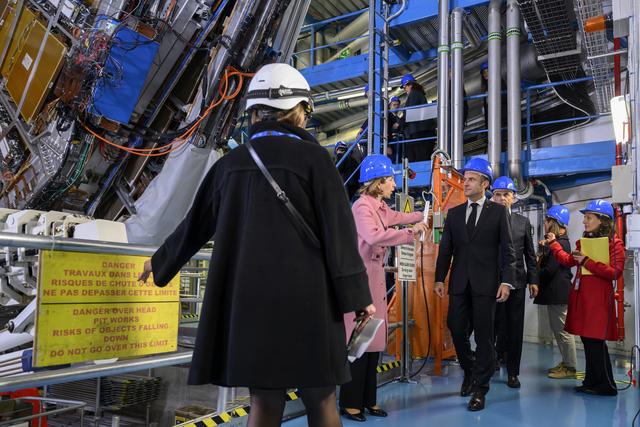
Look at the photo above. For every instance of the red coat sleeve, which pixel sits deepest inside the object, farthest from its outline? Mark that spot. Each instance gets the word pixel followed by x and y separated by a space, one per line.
pixel 615 268
pixel 563 258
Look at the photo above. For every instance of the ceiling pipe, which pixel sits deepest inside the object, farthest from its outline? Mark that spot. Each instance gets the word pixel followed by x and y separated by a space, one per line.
pixel 514 95
pixel 494 98
pixel 457 89
pixel 443 76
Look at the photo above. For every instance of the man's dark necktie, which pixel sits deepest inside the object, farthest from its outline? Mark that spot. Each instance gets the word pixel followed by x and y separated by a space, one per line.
pixel 471 222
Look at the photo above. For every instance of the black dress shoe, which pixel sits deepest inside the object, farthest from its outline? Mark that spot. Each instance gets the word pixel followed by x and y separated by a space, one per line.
pixel 355 417
pixel 596 391
pixel 513 381
pixel 477 402
pixel 467 384
pixel 377 412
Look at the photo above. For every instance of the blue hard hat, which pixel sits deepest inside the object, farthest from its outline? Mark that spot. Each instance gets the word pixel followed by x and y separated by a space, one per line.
pixel 339 144
pixel 406 79
pixel 600 207
pixel 560 214
pixel 394 99
pixel 479 165
pixel 366 89
pixel 484 66
pixel 375 166
pixel 504 183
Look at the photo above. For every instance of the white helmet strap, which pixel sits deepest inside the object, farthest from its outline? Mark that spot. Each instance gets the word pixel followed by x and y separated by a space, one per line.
pixel 279 93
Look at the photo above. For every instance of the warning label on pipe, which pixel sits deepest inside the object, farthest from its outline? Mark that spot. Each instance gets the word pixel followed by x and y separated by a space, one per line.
pixel 91 306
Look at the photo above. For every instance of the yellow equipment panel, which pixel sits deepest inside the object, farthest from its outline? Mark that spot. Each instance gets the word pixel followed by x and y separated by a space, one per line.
pixel 27 18
pixel 23 62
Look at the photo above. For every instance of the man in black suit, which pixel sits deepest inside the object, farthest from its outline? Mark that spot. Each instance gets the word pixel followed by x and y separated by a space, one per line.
pixel 477 236
pixel 510 315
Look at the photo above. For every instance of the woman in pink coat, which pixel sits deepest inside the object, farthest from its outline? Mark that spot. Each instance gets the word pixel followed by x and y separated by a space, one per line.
pixel 374 220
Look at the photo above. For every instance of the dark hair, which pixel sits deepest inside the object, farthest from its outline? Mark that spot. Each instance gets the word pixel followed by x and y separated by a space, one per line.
pixel 416 86
pixel 606 229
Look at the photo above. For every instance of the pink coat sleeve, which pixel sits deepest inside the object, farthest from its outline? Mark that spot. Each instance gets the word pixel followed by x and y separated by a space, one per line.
pixel 370 230
pixel 398 218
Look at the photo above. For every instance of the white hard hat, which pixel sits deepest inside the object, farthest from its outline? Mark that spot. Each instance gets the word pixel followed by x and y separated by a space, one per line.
pixel 278 86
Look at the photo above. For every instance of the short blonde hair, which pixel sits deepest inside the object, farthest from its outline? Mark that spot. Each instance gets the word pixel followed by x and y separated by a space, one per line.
pixel 372 188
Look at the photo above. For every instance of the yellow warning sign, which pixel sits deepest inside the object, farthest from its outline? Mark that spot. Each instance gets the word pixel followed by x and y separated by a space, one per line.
pixel 408 206
pixel 91 306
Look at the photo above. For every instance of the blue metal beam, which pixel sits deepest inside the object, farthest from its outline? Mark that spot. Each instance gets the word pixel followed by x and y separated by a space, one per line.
pixel 357 66
pixel 566 166
pixel 418 11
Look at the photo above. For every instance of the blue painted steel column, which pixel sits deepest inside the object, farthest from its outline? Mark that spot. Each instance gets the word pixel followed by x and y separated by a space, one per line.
pixel 528 124
pixel 312 55
pixel 376 65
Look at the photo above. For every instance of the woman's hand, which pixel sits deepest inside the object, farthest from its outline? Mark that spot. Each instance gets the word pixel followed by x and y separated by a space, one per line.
pixel 368 311
pixel 418 228
pixel 146 272
pixel 578 256
pixel 550 238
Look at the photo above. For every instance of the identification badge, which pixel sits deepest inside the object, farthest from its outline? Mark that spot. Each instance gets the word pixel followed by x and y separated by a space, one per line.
pixel 577 284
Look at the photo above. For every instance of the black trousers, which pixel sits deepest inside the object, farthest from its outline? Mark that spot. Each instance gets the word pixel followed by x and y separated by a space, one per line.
pixel 362 391
pixel 599 374
pixel 420 150
pixel 478 310
pixel 509 329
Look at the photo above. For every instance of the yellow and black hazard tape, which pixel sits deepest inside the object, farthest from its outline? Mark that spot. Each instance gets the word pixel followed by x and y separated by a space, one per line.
pixel 388 366
pixel 225 417
pixel 190 316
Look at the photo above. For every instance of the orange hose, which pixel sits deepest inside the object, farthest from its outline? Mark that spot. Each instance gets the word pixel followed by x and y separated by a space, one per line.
pixel 178 142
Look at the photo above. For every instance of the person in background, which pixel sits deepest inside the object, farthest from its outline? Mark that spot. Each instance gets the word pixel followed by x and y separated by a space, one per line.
pixel 347 168
pixel 273 322
pixel 394 129
pixel 419 150
pixel 374 222
pixel 477 237
pixel 510 315
pixel 555 282
pixel 592 309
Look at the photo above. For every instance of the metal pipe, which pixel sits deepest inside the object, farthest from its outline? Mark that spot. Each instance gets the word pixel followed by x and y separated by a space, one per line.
pixel 287 35
pixel 514 112
pixel 403 5
pixel 457 89
pixel 406 351
pixel 371 77
pixel 443 76
pixel 78 245
pixel 606 55
pixel 79 373
pixel 634 86
pixel 494 100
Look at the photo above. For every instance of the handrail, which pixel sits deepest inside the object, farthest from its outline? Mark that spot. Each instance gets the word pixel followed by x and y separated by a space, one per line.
pixel 348 153
pixel 79 373
pixel 78 245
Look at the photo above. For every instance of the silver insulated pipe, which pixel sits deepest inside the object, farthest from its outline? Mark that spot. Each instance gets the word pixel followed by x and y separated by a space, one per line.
pixel 494 100
pixel 457 85
pixel 443 76
pixel 514 113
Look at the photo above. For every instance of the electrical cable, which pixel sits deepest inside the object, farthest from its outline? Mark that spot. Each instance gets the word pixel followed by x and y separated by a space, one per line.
pixel 426 305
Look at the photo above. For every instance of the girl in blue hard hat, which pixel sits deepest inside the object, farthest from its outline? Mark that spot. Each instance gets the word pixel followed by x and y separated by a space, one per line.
pixel 591 312
pixel 419 150
pixel 555 282
pixel 374 224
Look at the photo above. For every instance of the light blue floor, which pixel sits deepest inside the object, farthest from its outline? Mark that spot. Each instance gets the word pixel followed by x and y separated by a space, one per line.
pixel 541 402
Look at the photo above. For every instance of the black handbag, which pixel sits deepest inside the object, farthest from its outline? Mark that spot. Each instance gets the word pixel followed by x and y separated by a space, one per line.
pixel 296 217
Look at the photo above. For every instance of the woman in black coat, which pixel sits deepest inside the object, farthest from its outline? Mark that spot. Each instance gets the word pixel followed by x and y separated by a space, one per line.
pixel 272 317
pixel 555 282
pixel 418 150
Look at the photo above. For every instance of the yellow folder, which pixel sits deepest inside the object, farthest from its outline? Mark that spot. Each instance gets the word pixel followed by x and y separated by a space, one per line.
pixel 596 249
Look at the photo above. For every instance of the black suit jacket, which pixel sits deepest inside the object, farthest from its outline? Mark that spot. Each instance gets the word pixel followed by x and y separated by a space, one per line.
pixel 483 259
pixel 526 267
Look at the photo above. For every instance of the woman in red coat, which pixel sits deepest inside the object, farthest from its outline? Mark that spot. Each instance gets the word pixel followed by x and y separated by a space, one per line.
pixel 591 313
pixel 374 223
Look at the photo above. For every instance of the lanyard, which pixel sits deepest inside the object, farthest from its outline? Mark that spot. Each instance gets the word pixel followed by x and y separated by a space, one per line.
pixel 272 133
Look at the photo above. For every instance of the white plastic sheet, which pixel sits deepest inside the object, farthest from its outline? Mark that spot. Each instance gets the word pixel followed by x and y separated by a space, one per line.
pixel 169 196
